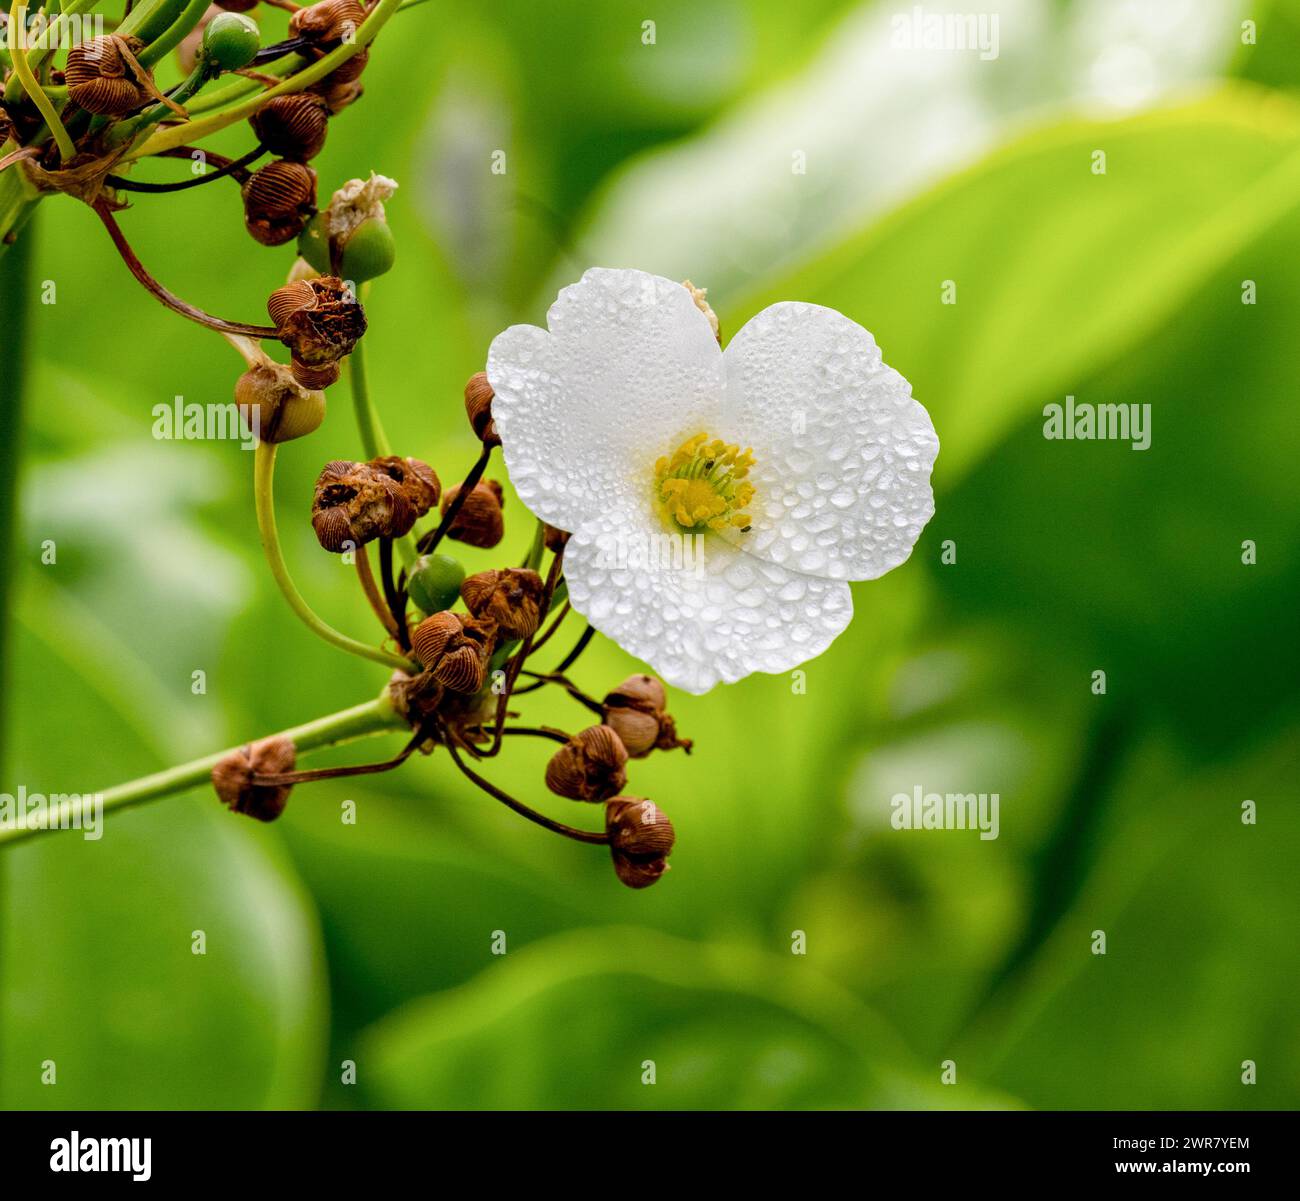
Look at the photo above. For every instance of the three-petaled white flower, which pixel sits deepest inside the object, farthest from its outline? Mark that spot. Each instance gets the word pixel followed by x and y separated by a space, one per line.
pixel 718 502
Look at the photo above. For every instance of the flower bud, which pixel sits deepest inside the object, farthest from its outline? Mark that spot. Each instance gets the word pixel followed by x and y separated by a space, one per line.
pixel 275 406
pixel 417 480
pixel 479 521
pixel 354 504
pixel 103 77
pixel 434 582
pixel 454 650
pixel 292 127
pixel 278 200
pixel 589 767
pixel 319 320
pixel 232 777
pixel 510 597
pixel 640 839
pixel 635 709
pixel 230 42
pixel 478 407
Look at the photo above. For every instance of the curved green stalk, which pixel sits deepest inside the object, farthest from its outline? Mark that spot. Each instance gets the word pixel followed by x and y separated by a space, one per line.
pixel 30 84
pixel 174 34
pixel 348 725
pixel 263 477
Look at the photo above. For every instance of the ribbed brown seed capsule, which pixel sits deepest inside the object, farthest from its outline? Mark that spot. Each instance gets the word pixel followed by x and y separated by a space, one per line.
pixel 236 6
pixel 454 650
pixel 354 504
pixel 278 201
pixel 479 522
pixel 232 777
pixel 101 79
pixel 510 597
pixel 636 710
pixel 337 96
pixel 589 767
pixel 418 481
pixel 640 839
pixel 315 378
pixel 275 406
pixel 327 21
pixel 293 127
pixel 478 407
pixel 319 320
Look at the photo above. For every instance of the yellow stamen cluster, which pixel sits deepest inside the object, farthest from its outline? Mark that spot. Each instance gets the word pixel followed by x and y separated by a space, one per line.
pixel 702 484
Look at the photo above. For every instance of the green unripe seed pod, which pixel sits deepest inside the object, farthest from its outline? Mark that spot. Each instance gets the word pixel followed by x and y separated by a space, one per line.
pixel 370 252
pixel 230 42
pixel 434 583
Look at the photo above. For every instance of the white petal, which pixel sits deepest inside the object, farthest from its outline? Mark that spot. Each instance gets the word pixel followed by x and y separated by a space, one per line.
pixel 843 454
pixel 699 611
pixel 628 370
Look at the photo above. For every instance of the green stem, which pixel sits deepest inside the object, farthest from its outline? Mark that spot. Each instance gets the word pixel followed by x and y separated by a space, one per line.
pixel 264 496
pixel 174 35
pixel 18 201
pixel 348 725
pixel 26 77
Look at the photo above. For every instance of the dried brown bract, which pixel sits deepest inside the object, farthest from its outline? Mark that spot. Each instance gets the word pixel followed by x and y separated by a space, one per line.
pixel 418 481
pixel 233 776
pixel 454 650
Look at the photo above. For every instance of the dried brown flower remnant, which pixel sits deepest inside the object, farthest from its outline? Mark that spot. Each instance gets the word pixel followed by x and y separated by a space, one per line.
pixel 337 95
pixel 636 710
pixel 319 320
pixel 354 504
pixel 278 201
pixel 589 767
pixel 418 481
pixel 478 407
pixel 479 522
pixel 640 840
pixel 275 405
pixel 454 650
pixel 233 776
pixel 293 127
pixel 510 597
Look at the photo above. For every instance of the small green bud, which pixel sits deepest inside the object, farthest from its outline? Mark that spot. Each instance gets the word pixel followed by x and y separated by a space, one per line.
pixel 434 584
pixel 369 252
pixel 230 41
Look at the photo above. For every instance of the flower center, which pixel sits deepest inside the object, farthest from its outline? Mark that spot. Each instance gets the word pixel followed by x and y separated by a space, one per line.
pixel 702 484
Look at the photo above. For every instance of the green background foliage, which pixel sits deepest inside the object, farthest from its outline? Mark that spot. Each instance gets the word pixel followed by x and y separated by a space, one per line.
pixel 372 942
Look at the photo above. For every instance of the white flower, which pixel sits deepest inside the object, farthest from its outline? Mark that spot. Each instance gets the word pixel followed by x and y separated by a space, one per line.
pixel 718 501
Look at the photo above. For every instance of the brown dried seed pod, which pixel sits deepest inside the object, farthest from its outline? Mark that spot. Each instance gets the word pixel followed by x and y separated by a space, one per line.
pixel 327 21
pixel 293 127
pixel 354 504
pixel 236 6
pixel 636 709
pixel 232 777
pixel 101 78
pixel 279 199
pixel 589 767
pixel 315 378
pixel 640 839
pixel 337 96
pixel 417 480
pixel 479 522
pixel 510 597
pixel 319 320
pixel 478 407
pixel 275 406
pixel 454 650
pixel 349 71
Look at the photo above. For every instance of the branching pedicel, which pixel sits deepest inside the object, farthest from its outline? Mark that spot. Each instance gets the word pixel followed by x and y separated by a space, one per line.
pixel 791 463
